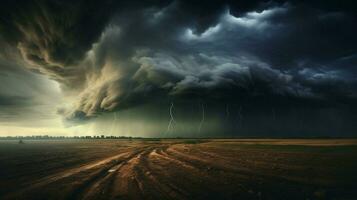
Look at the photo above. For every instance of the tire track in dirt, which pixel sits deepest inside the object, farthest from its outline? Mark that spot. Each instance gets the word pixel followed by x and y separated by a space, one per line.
pixel 127 183
pixel 105 184
pixel 146 182
pixel 157 182
pixel 134 178
pixel 158 171
pixel 219 171
pixel 98 183
pixel 85 172
pixel 181 170
pixel 180 179
pixel 134 174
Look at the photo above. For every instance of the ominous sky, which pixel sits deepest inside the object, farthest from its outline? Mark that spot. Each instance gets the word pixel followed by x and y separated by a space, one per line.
pixel 167 68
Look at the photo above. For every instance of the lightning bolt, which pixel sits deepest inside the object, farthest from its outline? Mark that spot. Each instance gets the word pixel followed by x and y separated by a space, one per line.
pixel 202 119
pixel 172 120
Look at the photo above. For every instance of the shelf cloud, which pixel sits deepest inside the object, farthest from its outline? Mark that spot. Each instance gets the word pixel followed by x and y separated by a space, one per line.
pixel 108 56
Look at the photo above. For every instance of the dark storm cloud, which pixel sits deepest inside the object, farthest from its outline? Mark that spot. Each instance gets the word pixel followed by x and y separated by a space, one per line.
pixel 116 54
pixel 53 36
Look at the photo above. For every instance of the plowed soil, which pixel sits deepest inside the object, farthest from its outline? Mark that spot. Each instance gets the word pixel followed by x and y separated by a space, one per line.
pixel 179 169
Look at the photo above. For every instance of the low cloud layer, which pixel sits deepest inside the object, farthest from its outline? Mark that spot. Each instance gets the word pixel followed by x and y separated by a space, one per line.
pixel 110 56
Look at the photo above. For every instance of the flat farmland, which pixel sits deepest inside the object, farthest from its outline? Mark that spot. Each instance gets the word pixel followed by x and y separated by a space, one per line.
pixel 179 169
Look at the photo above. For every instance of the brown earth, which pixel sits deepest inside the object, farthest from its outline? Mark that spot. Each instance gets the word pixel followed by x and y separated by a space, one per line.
pixel 179 169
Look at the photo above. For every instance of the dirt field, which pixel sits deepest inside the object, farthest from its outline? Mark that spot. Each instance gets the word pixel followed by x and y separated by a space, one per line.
pixel 179 169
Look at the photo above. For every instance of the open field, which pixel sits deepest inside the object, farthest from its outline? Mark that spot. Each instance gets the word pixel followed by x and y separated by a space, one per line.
pixel 179 169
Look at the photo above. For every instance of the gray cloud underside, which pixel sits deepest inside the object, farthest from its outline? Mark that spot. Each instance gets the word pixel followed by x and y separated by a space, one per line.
pixel 288 52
